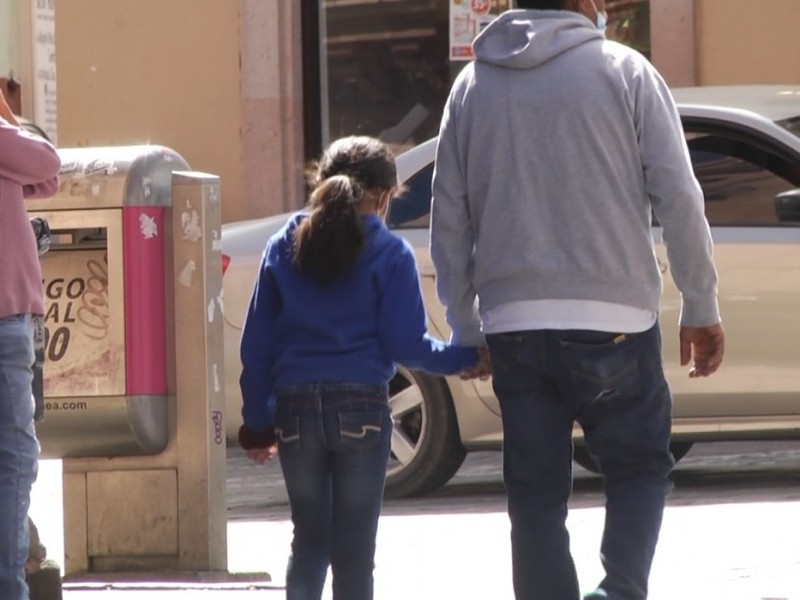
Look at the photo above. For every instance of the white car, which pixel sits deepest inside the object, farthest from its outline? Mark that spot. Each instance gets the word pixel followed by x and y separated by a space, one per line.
pixel 745 147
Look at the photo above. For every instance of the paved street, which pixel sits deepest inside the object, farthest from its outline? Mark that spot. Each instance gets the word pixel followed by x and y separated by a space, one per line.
pixel 730 532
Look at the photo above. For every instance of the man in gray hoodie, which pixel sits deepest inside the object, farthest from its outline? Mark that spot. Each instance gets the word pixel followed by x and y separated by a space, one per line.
pixel 556 149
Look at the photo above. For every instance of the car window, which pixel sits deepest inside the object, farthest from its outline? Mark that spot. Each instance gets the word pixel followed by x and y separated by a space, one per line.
pixel 740 177
pixel 412 208
pixel 791 125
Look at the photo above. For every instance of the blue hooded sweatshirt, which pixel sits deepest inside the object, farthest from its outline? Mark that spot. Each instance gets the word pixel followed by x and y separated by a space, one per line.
pixel 354 329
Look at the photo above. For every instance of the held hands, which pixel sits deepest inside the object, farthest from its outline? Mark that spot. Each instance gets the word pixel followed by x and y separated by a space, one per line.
pixel 483 370
pixel 704 347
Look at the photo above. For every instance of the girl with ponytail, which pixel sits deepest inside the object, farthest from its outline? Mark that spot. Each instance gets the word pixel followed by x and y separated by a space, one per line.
pixel 336 306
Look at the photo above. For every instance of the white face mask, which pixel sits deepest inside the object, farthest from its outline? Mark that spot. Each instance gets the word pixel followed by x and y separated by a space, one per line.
pixel 602 17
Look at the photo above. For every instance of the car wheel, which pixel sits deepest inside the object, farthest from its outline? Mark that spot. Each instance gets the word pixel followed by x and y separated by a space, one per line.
pixel 426 446
pixel 581 455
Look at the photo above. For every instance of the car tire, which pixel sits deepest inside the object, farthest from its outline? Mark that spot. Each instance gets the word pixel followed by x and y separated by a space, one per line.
pixel 581 455
pixel 426 445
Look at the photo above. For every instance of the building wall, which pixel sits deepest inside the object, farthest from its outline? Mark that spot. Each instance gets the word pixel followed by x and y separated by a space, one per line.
pixel 673 40
pixel 220 81
pixel 741 41
pixel 8 38
pixel 198 76
pixel 9 50
pixel 272 152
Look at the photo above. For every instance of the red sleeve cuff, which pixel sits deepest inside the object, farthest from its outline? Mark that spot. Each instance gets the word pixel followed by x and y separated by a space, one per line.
pixel 249 439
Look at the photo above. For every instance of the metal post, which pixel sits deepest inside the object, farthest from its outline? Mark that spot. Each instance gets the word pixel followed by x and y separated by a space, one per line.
pixel 199 375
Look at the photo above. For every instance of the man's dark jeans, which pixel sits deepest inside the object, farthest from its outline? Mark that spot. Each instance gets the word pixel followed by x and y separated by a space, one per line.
pixel 333 445
pixel 614 386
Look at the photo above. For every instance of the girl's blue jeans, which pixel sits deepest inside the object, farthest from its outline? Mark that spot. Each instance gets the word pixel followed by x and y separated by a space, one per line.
pixel 333 445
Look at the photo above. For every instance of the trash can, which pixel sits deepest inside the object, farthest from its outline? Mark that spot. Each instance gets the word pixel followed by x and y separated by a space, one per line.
pixel 106 288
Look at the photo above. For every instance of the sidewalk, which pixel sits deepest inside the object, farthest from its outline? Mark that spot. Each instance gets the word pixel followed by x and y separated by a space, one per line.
pixel 727 551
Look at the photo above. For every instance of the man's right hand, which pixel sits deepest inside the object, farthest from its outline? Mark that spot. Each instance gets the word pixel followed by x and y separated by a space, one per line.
pixel 483 370
pixel 704 347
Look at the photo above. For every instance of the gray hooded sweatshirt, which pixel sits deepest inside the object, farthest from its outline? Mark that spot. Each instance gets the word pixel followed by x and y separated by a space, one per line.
pixel 556 148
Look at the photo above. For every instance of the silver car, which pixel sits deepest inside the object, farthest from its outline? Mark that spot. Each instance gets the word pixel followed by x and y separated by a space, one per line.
pixel 745 147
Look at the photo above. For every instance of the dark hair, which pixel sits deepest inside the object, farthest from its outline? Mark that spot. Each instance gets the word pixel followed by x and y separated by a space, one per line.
pixel 541 4
pixel 353 170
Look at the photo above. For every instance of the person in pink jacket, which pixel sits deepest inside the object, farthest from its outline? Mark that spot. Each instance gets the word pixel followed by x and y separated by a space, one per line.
pixel 29 168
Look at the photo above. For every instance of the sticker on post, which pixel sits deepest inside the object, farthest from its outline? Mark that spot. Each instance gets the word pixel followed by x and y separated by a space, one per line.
pixel 211 311
pixel 146 181
pixel 190 222
pixel 218 300
pixel 217 387
pixel 211 303
pixel 187 274
pixel 148 226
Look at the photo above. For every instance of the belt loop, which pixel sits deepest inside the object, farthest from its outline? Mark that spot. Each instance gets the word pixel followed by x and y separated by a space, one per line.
pixel 14 318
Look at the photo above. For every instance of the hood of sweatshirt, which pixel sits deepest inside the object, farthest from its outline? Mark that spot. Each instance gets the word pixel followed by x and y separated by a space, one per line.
pixel 525 39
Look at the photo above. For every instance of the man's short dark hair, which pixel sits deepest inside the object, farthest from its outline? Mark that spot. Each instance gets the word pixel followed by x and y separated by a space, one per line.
pixel 541 4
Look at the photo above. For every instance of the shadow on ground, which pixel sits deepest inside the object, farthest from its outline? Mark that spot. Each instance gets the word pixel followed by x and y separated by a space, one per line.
pixel 716 474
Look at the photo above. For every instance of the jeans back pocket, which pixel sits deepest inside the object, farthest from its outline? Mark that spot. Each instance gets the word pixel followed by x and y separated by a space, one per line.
pixel 360 430
pixel 287 432
pixel 604 366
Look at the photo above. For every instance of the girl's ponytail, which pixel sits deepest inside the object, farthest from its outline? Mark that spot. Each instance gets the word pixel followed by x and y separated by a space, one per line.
pixel 347 184
pixel 328 242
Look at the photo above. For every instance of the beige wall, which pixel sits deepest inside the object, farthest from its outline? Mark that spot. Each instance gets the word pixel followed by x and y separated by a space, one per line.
pixel 220 81
pixel 272 107
pixel 742 41
pixel 185 74
pixel 672 40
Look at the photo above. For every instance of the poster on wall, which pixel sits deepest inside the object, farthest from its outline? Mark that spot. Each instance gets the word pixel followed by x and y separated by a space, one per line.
pixel 467 19
pixel 43 23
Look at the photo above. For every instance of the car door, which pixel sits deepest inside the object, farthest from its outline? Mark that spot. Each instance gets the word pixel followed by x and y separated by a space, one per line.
pixel 757 253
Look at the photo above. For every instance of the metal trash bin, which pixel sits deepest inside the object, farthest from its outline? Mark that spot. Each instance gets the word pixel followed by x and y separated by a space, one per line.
pixel 106 288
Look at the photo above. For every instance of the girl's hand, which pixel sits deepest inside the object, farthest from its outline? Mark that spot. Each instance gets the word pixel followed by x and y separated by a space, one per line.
pixel 262 455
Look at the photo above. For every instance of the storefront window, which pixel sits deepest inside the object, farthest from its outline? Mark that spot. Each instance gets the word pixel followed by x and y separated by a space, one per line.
pixel 629 23
pixel 384 66
pixel 28 29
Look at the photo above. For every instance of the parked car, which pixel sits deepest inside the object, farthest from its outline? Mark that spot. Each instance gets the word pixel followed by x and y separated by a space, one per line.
pixel 745 147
